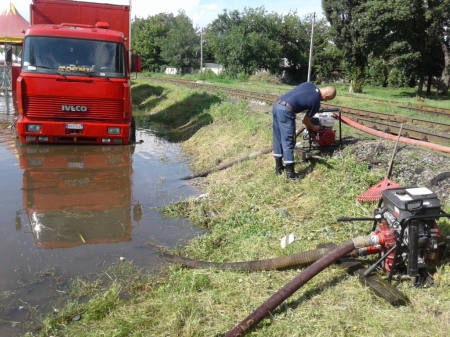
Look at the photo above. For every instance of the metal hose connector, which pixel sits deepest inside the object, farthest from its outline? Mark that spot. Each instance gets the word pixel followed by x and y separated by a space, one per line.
pixel 366 241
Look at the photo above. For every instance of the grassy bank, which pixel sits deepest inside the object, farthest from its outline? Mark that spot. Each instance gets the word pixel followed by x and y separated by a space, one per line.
pixel 246 210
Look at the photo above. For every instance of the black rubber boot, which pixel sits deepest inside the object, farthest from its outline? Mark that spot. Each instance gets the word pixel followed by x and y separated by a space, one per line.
pixel 290 172
pixel 279 168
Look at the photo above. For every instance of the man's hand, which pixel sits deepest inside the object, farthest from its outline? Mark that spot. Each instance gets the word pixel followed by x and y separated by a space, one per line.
pixel 307 122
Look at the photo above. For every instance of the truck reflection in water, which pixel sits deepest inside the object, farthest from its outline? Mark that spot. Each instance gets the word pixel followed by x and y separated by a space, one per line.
pixel 76 195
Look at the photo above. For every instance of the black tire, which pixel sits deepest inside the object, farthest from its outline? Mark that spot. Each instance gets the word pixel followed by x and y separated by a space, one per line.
pixel 132 137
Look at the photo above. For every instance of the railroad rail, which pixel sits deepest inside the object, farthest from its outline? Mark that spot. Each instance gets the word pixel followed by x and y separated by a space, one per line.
pixel 414 128
pixel 427 109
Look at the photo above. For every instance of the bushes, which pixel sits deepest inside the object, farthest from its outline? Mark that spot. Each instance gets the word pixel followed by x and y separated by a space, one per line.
pixel 265 77
pixel 242 77
pixel 378 71
pixel 399 78
pixel 207 75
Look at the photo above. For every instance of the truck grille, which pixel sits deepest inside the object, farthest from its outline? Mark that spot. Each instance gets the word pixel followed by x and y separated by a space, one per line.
pixel 52 107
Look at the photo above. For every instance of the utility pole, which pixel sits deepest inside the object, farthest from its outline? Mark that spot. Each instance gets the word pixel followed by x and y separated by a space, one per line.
pixel 311 47
pixel 201 50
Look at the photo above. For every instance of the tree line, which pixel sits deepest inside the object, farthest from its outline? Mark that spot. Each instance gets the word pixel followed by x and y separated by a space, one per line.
pixel 395 43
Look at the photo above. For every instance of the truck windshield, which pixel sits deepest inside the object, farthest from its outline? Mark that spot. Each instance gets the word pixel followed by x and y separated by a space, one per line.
pixel 68 56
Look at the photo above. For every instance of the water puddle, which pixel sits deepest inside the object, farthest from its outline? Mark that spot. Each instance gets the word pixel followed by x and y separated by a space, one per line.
pixel 70 211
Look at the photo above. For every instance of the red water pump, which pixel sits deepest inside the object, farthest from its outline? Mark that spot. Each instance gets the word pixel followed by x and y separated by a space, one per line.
pixel 405 234
pixel 326 136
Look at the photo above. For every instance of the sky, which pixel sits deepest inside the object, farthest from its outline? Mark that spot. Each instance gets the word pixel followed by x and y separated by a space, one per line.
pixel 202 12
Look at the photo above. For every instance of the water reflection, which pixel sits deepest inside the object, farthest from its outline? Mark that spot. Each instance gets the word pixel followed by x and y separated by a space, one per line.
pixel 8 102
pixel 77 195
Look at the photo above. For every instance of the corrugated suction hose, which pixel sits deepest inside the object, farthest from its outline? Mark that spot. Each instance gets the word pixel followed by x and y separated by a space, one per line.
pixel 298 260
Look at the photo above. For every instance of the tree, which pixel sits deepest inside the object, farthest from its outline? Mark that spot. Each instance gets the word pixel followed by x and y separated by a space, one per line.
pixel 347 38
pixel 294 37
pixel 439 15
pixel 245 42
pixel 145 39
pixel 377 71
pixel 401 32
pixel 327 63
pixel 327 58
pixel 180 47
pixel 409 34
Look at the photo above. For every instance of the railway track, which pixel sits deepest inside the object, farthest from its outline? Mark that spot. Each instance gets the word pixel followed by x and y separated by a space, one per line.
pixel 414 128
pixel 427 109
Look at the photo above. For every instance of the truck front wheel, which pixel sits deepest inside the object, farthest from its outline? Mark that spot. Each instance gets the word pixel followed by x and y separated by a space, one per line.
pixel 132 136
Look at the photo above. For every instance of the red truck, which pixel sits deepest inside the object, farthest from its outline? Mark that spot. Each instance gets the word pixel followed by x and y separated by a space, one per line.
pixel 74 85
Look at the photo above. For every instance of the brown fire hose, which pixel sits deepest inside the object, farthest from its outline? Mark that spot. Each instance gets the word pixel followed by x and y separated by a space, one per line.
pixel 304 154
pixel 280 296
pixel 298 260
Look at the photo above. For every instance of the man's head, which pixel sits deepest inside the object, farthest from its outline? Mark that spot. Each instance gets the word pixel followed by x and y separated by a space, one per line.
pixel 327 93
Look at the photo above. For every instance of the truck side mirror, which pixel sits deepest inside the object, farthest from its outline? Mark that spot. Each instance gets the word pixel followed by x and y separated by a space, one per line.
pixel 135 63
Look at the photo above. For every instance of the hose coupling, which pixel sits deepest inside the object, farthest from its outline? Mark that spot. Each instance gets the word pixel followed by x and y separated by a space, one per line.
pixel 366 241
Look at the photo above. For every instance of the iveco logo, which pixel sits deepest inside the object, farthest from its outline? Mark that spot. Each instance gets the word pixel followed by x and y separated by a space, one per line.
pixel 74 108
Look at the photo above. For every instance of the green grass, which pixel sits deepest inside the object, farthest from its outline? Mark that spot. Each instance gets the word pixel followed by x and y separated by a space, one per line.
pixel 394 98
pixel 400 95
pixel 247 211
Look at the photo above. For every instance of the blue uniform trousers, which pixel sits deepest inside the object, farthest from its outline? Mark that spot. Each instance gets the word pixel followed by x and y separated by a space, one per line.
pixel 283 133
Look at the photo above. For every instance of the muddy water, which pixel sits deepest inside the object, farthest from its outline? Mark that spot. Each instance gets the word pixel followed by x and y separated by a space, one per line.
pixel 69 211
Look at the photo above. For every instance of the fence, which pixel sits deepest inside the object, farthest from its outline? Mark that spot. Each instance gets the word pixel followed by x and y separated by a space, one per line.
pixel 5 77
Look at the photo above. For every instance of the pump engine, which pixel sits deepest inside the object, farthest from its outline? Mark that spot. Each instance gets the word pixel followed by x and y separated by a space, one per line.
pixel 405 233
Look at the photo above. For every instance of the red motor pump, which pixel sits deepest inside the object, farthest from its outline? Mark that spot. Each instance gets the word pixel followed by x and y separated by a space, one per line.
pixel 326 136
pixel 405 234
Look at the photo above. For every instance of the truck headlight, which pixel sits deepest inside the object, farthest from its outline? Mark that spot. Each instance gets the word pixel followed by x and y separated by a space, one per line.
pixel 34 127
pixel 113 130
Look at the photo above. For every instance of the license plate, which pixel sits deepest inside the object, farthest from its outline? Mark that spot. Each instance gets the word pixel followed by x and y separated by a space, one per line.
pixel 75 165
pixel 74 126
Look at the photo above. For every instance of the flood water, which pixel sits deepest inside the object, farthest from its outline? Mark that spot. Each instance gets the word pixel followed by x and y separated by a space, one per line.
pixel 68 211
